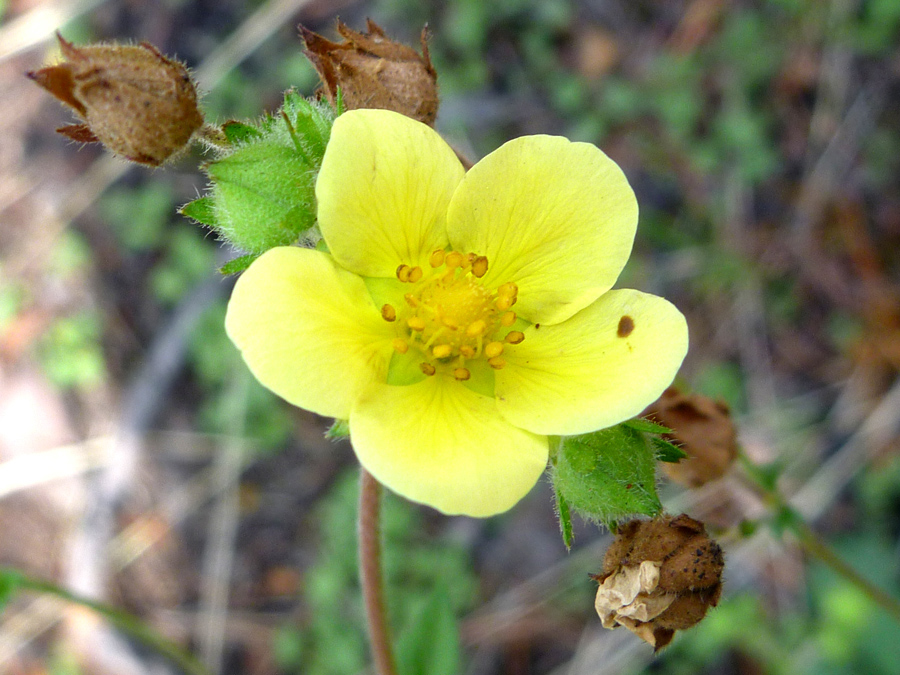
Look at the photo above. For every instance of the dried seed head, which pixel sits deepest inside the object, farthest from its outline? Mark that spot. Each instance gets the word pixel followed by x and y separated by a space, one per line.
pixel 138 103
pixel 373 71
pixel 659 576
pixel 704 430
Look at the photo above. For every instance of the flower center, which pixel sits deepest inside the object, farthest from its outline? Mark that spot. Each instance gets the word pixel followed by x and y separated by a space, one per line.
pixel 451 318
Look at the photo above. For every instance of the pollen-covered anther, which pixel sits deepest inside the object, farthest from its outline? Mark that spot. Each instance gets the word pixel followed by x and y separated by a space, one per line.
pixel 493 349
pixel 427 368
pixel 476 328
pixel 507 319
pixel 441 351
pixel 403 273
pixel 388 313
pixel 514 337
pixel 454 259
pixel 468 351
pixel 437 258
pixel 415 274
pixel 497 362
pixel 416 323
pixel 400 345
pixel 479 266
pixel 462 374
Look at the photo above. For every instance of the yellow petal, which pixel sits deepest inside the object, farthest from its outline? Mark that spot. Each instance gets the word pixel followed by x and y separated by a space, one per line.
pixel 308 330
pixel 601 367
pixel 441 444
pixel 383 191
pixel 555 217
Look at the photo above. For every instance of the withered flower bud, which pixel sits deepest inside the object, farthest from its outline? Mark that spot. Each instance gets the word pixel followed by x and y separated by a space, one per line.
pixel 659 576
pixel 373 71
pixel 704 430
pixel 137 102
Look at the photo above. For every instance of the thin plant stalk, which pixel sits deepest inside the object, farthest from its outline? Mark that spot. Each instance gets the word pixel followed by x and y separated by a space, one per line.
pixel 122 620
pixel 370 572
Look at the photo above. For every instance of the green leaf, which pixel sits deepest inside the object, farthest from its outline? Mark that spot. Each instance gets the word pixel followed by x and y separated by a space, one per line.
pixel 666 451
pixel 429 645
pixel 10 582
pixel 565 518
pixel 238 132
pixel 237 265
pixel 201 210
pixel 608 475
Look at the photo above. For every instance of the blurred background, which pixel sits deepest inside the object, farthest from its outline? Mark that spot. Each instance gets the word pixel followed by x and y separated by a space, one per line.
pixel 141 464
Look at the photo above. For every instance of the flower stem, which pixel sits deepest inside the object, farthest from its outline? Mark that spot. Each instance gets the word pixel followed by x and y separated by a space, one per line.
pixel 370 573
pixel 813 544
pixel 122 620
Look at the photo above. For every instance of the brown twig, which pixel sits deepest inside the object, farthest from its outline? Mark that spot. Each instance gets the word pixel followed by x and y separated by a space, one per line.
pixel 369 534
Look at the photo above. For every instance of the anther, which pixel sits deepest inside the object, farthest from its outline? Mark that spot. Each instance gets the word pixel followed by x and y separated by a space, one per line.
pixel 476 328
pixel 442 351
pixel 416 323
pixel 468 260
pixel 403 273
pixel 453 259
pixel 462 374
pixel 468 351
pixel 514 337
pixel 400 345
pixel 415 274
pixel 509 289
pixel 508 319
pixel 388 313
pixel 437 258
pixel 496 363
pixel 411 300
pixel 503 302
pixel 480 266
pixel 493 349
pixel 427 368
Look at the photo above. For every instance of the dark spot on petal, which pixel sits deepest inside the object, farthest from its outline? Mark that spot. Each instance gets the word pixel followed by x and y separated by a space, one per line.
pixel 626 325
pixel 536 326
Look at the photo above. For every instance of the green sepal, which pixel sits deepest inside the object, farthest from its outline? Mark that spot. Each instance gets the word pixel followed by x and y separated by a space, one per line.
pixel 239 132
pixel 201 210
pixel 237 265
pixel 666 451
pixel 608 475
pixel 340 429
pixel 646 426
pixel 565 518
pixel 262 189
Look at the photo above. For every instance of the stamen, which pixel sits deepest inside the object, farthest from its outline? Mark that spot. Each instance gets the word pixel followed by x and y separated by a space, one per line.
pixel 437 258
pixel 400 345
pixel 453 260
pixel 503 302
pixel 493 349
pixel 497 362
pixel 468 351
pixel 480 266
pixel 427 368
pixel 477 327
pixel 416 323
pixel 514 337
pixel 411 300
pixel 403 273
pixel 415 274
pixel 442 351
pixel 508 319
pixel 388 313
pixel 462 374
pixel 468 260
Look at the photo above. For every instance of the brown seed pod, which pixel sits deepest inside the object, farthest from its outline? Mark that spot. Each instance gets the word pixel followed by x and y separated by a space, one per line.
pixel 704 430
pixel 135 101
pixel 659 576
pixel 373 71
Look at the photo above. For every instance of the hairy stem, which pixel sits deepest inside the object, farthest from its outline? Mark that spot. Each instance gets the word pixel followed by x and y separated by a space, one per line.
pixel 124 621
pixel 370 574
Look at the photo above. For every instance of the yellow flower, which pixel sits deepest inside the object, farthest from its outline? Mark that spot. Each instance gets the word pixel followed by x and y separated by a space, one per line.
pixel 459 319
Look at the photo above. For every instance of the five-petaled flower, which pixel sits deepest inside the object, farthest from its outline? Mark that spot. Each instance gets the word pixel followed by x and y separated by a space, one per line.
pixel 459 320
